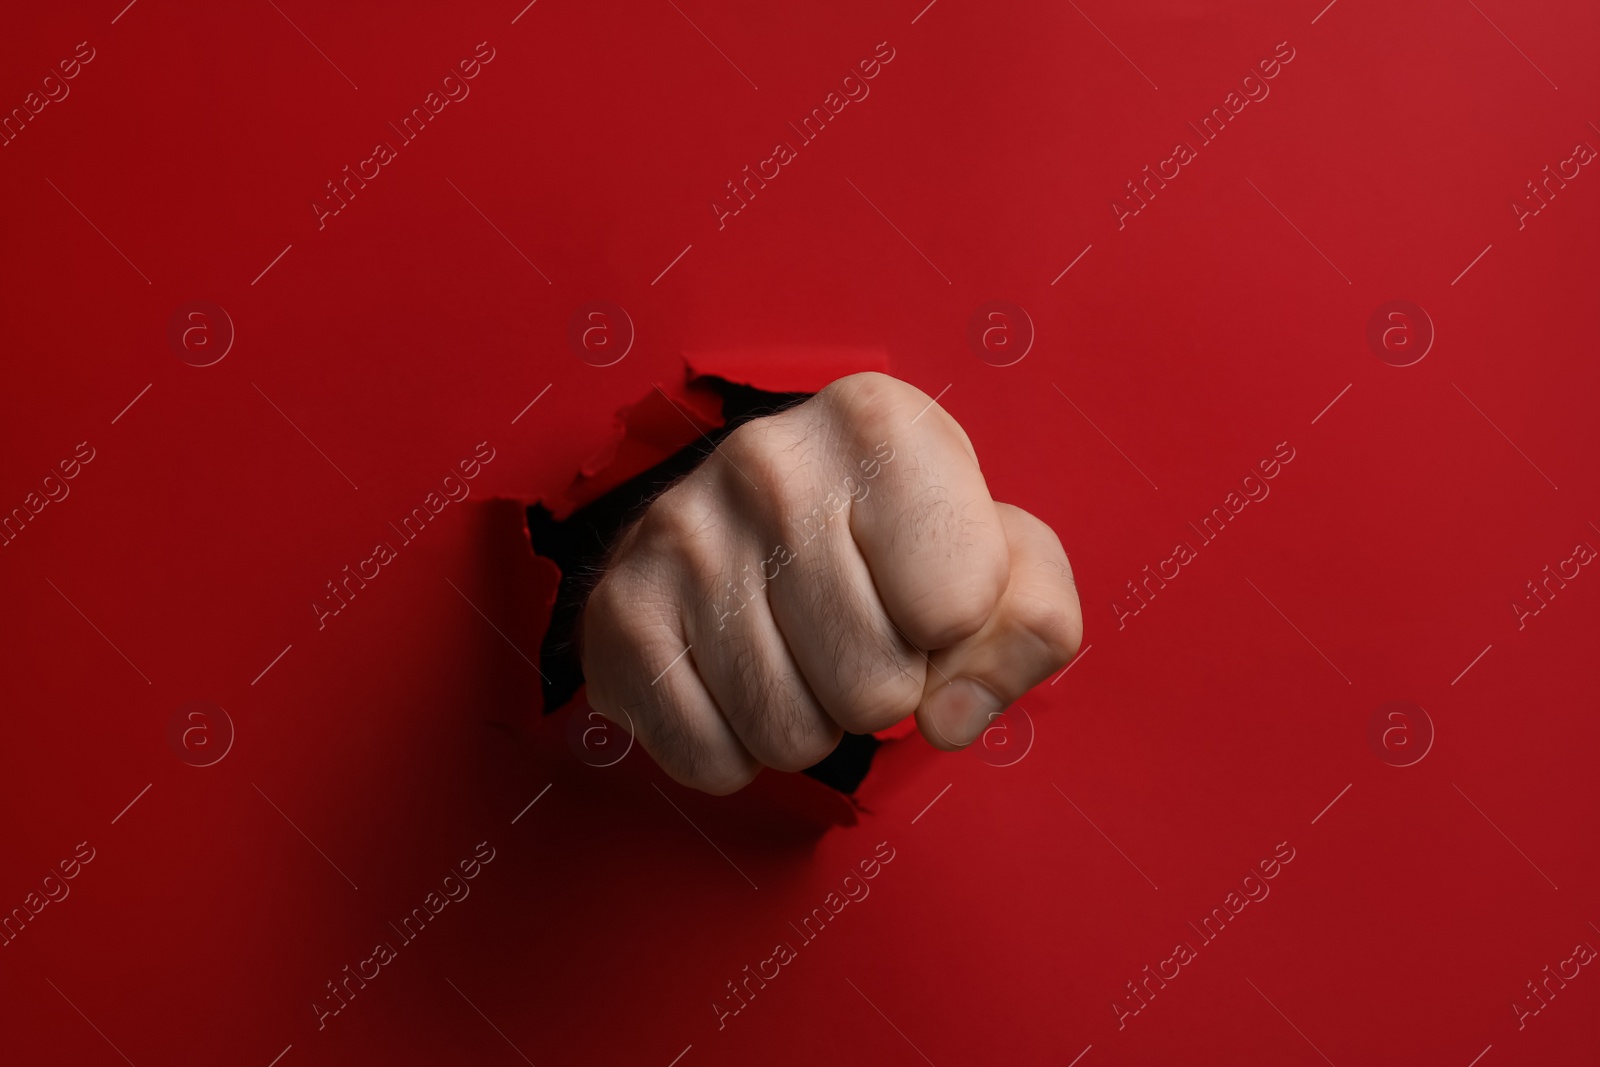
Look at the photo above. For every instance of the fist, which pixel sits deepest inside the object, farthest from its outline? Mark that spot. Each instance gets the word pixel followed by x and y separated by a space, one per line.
pixel 838 566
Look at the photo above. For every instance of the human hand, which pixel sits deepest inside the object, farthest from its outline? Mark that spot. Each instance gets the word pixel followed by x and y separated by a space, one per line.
pixel 837 566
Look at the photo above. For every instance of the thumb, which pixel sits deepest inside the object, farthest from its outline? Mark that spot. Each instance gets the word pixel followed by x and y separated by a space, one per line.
pixel 1035 630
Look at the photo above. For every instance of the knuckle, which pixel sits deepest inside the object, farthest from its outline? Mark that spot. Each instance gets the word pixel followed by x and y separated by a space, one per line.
pixel 820 744
pixel 762 456
pixel 870 408
pixel 748 440
pixel 785 748
pixel 956 609
pixel 689 757
pixel 1055 622
pixel 623 617
pixel 624 644
pixel 863 674
pixel 880 699
pixel 773 713
pixel 877 683
pixel 795 732
pixel 677 517
pixel 873 397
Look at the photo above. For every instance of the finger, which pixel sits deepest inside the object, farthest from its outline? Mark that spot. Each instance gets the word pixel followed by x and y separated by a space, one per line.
pixel 636 660
pixel 684 730
pixel 754 678
pixel 1035 630
pixel 919 509
pixel 863 672
pixel 818 590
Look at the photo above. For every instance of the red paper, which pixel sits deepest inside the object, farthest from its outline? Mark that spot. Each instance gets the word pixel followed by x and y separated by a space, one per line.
pixel 299 312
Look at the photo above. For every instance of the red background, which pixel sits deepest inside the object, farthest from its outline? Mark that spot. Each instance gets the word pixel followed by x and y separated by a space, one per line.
pixel 1180 750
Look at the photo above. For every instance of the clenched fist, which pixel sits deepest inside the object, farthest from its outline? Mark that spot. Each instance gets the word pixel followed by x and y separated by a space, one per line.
pixel 837 566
